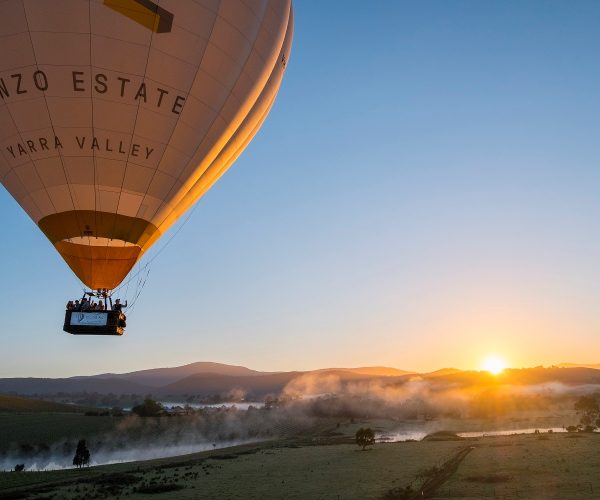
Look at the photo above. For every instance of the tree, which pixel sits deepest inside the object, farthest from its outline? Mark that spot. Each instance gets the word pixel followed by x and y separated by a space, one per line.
pixel 589 410
pixel 82 454
pixel 587 404
pixel 365 437
pixel 116 412
pixel 149 408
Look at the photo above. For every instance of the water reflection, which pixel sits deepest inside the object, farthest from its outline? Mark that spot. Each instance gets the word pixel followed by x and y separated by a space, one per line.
pixel 415 434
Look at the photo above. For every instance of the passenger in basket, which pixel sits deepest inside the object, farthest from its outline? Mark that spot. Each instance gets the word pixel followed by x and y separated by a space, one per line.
pixel 119 307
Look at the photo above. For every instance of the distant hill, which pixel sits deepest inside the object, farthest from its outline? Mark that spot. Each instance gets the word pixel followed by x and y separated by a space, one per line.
pixel 201 378
pixel 573 376
pixel 206 384
pixel 258 386
pixel 442 372
pixel 376 371
pixel 595 366
pixel 13 404
pixel 41 386
pixel 522 376
pixel 158 377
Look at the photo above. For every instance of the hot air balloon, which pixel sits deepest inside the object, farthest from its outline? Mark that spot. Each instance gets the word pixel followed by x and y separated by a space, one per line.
pixel 116 116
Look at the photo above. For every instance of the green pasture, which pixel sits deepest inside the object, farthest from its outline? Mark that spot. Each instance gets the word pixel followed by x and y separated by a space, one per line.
pixel 14 404
pixel 268 470
pixel 48 428
pixel 547 466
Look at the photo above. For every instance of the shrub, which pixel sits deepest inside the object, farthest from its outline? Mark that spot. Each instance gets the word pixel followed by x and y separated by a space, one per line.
pixel 149 408
pixel 365 437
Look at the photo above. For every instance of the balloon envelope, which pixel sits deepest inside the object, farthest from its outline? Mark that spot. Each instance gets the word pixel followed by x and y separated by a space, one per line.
pixel 117 115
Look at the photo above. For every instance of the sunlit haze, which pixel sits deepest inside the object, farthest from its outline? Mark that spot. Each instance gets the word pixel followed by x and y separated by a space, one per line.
pixel 493 364
pixel 428 172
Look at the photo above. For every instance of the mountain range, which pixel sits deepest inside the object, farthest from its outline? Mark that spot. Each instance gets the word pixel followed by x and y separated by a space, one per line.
pixel 202 378
pixel 209 379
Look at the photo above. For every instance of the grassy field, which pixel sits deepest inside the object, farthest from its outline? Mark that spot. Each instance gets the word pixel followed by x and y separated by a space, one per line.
pixel 48 440
pixel 31 426
pixel 534 466
pixel 543 466
pixel 12 404
pixel 274 470
pixel 48 428
pixel 34 428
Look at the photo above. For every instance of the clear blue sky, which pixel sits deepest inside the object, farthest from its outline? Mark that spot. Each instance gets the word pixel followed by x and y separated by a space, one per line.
pixel 425 191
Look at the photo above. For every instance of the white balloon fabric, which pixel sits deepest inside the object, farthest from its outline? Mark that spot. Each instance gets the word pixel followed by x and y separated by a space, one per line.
pixel 117 115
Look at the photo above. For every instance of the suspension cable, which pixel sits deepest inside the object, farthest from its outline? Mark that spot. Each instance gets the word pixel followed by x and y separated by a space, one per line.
pixel 141 268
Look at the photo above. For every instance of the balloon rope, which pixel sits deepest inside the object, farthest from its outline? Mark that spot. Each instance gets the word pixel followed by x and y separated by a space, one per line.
pixel 139 293
pixel 160 250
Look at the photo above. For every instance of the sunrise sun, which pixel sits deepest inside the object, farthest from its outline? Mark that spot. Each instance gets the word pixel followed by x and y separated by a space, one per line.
pixel 493 364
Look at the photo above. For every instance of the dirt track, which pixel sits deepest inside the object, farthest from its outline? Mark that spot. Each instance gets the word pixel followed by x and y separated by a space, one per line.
pixel 431 486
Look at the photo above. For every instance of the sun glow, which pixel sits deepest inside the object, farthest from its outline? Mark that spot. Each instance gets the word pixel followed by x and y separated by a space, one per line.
pixel 493 364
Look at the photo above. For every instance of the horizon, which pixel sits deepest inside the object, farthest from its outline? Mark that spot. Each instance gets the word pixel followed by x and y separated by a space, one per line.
pixel 320 368
pixel 423 193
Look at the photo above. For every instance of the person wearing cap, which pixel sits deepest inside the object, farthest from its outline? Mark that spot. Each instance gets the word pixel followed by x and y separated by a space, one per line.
pixel 118 306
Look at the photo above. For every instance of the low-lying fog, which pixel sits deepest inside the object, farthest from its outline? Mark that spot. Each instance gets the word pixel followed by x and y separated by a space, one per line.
pixel 240 405
pixel 418 432
pixel 56 459
pixel 397 410
pixel 134 438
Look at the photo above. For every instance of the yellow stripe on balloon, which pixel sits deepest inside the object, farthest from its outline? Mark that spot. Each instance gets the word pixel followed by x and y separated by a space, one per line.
pixel 145 13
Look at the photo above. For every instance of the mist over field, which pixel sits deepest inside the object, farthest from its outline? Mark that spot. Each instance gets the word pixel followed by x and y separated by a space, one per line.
pixel 476 395
pixel 134 438
pixel 417 404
